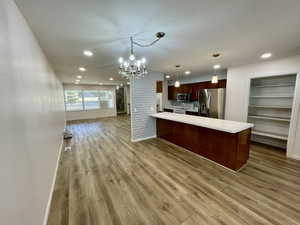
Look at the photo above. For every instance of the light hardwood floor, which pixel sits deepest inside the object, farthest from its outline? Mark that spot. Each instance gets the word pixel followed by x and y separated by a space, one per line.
pixel 107 180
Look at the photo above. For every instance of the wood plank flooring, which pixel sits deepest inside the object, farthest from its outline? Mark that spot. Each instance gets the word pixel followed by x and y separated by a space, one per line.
pixel 107 180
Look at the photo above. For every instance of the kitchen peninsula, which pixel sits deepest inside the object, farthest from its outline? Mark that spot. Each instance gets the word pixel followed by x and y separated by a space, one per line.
pixel 222 141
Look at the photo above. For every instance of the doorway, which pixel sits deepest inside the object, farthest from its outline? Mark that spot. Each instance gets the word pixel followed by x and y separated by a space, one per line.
pixel 120 100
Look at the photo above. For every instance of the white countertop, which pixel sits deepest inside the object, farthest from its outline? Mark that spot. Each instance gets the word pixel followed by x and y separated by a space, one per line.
pixel 216 124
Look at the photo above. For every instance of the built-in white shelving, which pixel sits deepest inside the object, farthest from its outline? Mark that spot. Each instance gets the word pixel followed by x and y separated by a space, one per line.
pixel 270 118
pixel 270 135
pixel 271 96
pixel 274 85
pixel 270 107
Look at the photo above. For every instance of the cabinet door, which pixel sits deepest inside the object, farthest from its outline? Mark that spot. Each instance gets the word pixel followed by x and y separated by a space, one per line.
pixel 171 93
pixel 194 95
pixel 159 86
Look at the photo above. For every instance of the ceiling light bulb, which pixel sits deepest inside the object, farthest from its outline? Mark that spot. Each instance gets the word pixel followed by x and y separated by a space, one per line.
pixel 168 76
pixel 143 60
pixel 111 78
pixel 79 76
pixel 214 79
pixel 132 57
pixel 138 63
pixel 177 83
pixel 121 60
pixel 88 53
pixel 217 67
pixel 187 72
pixel 82 69
pixel 126 64
pixel 266 55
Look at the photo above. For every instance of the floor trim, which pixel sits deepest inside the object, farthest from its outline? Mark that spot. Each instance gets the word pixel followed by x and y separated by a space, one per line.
pixel 53 184
pixel 293 156
pixel 143 139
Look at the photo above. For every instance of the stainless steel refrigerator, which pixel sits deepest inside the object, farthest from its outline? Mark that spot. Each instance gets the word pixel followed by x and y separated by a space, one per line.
pixel 212 102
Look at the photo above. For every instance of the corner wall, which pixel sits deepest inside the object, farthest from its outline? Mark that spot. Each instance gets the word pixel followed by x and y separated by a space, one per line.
pixel 238 89
pixel 32 121
pixel 143 104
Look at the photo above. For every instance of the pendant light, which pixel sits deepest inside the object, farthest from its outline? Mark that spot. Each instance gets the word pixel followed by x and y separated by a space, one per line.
pixel 177 84
pixel 215 78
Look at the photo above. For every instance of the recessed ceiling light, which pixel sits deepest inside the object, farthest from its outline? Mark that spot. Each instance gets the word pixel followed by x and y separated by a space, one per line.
pixel 168 76
pixel 217 67
pixel 79 76
pixel 88 53
pixel 128 83
pixel 82 69
pixel 100 83
pixel 77 81
pixel 111 78
pixel 266 55
pixel 187 72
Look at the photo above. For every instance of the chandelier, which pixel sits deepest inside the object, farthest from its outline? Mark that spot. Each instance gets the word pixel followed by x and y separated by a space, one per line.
pixel 136 68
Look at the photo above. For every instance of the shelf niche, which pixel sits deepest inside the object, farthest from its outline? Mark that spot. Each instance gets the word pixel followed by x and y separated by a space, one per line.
pixel 270 107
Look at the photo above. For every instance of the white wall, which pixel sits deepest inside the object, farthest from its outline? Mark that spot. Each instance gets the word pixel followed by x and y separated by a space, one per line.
pixel 238 88
pixel 95 113
pixel 143 104
pixel 31 122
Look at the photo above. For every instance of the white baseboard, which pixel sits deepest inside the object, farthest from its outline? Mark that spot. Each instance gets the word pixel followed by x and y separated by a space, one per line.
pixel 143 139
pixel 53 184
pixel 297 157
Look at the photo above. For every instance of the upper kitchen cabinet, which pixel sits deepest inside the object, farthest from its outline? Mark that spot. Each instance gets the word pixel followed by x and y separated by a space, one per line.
pixel 193 89
pixel 172 92
pixel 159 86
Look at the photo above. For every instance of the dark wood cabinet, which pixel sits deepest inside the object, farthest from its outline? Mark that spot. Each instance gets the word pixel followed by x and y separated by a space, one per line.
pixel 168 110
pixel 172 92
pixel 193 89
pixel 228 149
pixel 191 113
pixel 159 86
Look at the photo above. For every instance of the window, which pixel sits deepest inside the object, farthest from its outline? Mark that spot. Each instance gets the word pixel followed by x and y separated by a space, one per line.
pixel 78 100
pixel 106 98
pixel 73 100
pixel 91 100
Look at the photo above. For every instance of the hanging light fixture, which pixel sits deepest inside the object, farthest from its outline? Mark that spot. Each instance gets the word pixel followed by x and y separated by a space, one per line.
pixel 215 78
pixel 177 82
pixel 136 68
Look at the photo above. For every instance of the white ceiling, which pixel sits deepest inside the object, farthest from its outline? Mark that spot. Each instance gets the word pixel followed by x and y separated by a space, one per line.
pixel 241 30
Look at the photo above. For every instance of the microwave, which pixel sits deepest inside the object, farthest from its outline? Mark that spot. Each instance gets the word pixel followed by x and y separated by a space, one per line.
pixel 183 97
